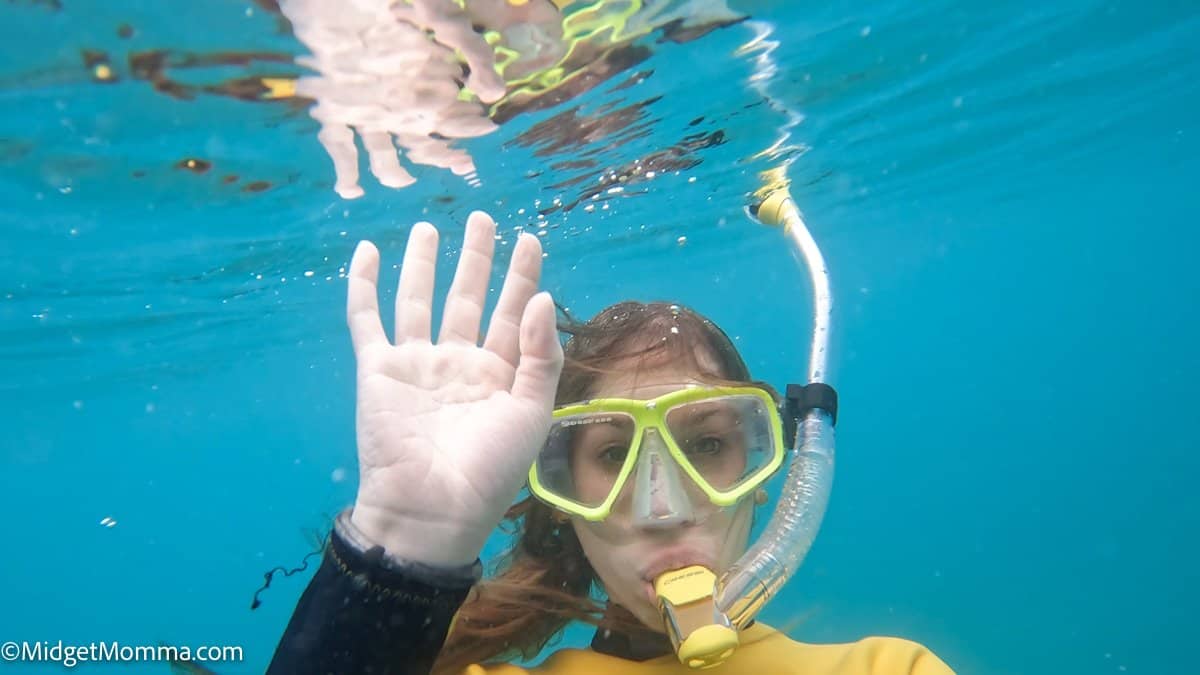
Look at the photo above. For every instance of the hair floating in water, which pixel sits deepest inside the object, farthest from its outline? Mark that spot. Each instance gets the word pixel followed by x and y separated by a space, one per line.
pixel 320 548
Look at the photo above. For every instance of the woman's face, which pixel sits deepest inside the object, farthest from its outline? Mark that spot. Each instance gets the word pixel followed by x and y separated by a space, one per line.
pixel 628 553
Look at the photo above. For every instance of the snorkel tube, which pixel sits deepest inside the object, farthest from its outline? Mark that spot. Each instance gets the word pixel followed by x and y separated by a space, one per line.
pixel 703 614
pixel 759 574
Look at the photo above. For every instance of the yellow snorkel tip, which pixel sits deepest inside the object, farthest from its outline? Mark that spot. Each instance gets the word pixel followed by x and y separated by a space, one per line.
pixel 771 210
pixel 701 636
pixel 278 87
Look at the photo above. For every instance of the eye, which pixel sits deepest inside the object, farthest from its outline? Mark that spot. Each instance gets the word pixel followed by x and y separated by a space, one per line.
pixel 706 446
pixel 613 454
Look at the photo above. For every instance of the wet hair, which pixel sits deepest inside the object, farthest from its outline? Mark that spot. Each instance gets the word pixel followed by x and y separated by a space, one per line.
pixel 544 581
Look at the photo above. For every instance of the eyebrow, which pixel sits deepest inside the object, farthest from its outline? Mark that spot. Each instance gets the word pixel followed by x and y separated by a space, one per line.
pixel 703 416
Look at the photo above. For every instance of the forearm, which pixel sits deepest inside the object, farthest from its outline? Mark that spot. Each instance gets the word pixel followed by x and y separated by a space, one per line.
pixel 364 613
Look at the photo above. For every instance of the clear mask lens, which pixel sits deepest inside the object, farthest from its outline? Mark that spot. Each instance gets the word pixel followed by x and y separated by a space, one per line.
pixel 584 455
pixel 726 440
pixel 721 443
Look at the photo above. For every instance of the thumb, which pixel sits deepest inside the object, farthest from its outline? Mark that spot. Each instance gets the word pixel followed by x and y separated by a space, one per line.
pixel 541 354
pixel 338 141
pixel 384 161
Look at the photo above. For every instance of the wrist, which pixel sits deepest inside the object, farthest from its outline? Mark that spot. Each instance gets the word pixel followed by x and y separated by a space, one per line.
pixel 369 554
pixel 433 544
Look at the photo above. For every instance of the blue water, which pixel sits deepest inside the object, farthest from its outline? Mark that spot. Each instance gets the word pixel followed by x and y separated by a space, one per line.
pixel 1005 196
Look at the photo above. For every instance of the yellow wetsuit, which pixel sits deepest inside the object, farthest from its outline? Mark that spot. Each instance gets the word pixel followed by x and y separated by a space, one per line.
pixel 763 651
pixel 360 614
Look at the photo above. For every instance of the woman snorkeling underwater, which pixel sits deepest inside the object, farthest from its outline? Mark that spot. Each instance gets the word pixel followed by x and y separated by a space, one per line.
pixel 649 444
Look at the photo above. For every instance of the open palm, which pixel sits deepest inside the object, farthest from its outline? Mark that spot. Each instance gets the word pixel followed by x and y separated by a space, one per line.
pixel 447 430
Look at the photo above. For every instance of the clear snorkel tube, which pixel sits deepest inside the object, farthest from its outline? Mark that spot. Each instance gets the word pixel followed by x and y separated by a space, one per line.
pixel 766 567
pixel 701 613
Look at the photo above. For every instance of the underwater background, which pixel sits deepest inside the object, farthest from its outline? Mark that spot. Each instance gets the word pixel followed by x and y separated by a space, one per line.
pixel 1006 196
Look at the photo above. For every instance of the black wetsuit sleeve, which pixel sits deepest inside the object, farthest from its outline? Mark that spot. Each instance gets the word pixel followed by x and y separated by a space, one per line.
pixel 358 615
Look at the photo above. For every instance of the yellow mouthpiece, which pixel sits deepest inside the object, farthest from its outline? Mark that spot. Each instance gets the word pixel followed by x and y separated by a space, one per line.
pixel 701 635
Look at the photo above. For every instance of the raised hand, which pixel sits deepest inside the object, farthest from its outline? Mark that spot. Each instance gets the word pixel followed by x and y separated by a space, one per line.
pixel 448 430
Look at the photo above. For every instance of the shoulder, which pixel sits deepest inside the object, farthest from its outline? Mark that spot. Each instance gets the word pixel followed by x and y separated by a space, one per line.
pixel 892 654
pixel 877 656
pixel 494 669
pixel 869 656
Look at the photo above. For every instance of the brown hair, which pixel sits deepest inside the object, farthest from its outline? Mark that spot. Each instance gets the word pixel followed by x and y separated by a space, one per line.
pixel 545 581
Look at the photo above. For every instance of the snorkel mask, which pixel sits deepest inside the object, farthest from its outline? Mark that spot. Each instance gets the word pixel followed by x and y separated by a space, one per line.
pixel 680 457
pixel 674 457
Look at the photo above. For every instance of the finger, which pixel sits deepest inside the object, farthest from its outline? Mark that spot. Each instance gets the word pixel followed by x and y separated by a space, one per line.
pixel 541 354
pixel 362 298
pixel 468 291
pixel 414 296
pixel 481 59
pixel 385 161
pixel 338 142
pixel 433 152
pixel 521 282
pixel 452 27
pixel 461 119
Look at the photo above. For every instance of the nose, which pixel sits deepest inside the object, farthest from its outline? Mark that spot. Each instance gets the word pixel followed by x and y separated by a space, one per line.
pixel 660 498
